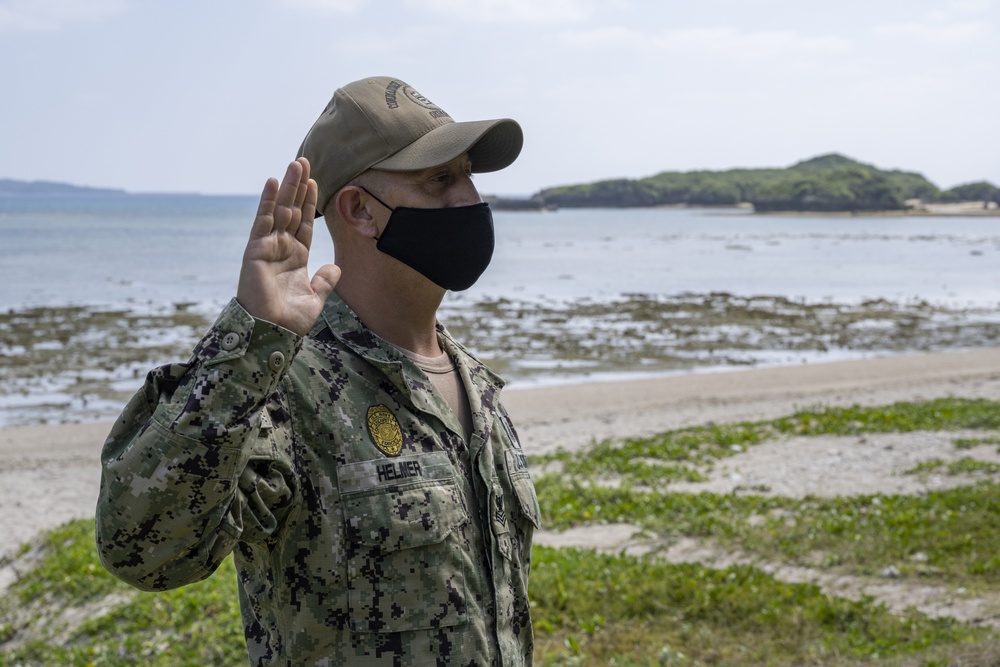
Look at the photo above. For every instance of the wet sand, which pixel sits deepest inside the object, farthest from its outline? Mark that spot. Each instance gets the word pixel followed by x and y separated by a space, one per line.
pixel 50 474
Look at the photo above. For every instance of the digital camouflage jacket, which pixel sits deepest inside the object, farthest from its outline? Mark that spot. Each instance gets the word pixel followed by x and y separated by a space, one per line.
pixel 366 530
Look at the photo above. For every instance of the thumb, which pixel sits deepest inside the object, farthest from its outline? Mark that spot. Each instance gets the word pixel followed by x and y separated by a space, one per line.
pixel 325 280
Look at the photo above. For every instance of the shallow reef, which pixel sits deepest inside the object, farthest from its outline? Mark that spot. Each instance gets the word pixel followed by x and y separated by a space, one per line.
pixel 81 363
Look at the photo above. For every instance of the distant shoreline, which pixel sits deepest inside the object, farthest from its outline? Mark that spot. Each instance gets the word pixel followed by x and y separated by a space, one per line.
pixel 544 201
pixel 972 209
pixel 958 210
pixel 13 188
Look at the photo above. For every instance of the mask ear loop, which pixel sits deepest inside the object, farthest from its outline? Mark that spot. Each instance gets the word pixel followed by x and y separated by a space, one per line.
pixel 372 195
pixel 391 209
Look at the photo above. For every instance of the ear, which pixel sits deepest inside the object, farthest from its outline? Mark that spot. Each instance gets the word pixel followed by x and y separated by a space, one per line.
pixel 355 207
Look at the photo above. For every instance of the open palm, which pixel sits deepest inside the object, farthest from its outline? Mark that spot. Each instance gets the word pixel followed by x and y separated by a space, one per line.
pixel 274 279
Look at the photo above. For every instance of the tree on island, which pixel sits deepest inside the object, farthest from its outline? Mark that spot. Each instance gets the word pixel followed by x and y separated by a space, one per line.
pixel 828 183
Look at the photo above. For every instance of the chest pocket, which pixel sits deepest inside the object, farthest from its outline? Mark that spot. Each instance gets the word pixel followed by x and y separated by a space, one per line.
pixel 405 561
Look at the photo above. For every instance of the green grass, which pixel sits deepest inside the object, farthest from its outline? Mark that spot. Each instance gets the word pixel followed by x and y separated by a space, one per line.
pixel 958 529
pixel 971 443
pixel 681 454
pixel 588 609
pixel 642 611
pixel 592 609
pixel 964 466
pixel 195 625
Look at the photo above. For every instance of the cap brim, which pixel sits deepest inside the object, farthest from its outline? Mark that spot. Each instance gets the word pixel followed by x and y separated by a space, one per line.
pixel 491 145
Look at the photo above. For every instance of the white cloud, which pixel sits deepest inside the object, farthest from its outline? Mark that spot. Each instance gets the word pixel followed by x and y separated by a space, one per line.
pixel 48 15
pixel 513 11
pixel 328 6
pixel 603 38
pixel 937 31
pixel 766 44
pixel 955 23
pixel 971 6
pixel 723 42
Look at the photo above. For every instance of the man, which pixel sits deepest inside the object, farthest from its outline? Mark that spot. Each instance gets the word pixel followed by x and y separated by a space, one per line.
pixel 353 457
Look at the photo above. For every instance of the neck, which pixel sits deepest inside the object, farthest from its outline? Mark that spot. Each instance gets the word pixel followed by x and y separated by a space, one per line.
pixel 402 313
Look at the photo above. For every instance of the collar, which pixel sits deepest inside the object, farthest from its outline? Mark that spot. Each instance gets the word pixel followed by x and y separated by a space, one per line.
pixel 482 384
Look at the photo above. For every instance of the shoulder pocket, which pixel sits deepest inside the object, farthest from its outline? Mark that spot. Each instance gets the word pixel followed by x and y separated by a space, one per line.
pixel 524 488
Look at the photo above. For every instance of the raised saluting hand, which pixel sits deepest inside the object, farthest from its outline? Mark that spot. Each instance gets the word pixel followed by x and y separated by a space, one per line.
pixel 274 279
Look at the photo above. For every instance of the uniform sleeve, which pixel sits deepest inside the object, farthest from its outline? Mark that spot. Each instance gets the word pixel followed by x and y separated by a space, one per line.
pixel 195 462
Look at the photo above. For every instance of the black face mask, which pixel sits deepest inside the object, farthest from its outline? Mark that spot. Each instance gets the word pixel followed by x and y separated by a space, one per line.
pixel 449 246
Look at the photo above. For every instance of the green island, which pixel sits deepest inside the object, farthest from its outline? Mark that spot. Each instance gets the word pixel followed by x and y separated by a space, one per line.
pixel 825 184
pixel 13 188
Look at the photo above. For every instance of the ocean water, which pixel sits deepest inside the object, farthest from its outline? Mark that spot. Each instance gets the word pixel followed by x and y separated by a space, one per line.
pixel 571 295
pixel 142 251
pixel 605 252
pixel 137 251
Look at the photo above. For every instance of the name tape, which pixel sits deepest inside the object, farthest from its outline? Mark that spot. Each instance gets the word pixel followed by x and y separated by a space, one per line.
pixel 366 475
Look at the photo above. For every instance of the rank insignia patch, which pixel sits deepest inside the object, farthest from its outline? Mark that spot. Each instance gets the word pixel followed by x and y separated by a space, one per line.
pixel 384 429
pixel 500 515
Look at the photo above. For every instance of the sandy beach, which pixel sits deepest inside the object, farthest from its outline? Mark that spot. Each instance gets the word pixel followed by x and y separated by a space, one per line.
pixel 50 474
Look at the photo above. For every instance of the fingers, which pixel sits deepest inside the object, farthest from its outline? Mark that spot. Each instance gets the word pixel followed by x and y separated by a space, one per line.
pixel 288 191
pixel 293 197
pixel 289 206
pixel 264 221
pixel 300 194
pixel 325 280
pixel 305 230
pixel 312 196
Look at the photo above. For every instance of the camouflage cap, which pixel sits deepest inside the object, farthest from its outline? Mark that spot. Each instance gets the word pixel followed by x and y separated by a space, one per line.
pixel 383 123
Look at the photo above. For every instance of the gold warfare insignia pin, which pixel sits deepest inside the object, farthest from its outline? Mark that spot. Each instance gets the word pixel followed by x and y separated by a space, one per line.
pixel 384 429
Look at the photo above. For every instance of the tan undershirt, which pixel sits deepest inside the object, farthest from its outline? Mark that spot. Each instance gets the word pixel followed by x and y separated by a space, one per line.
pixel 444 375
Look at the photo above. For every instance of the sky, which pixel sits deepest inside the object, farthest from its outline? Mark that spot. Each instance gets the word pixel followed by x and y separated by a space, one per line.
pixel 214 96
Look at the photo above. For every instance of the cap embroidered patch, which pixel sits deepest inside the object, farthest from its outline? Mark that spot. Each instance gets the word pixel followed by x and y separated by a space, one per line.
pixel 384 429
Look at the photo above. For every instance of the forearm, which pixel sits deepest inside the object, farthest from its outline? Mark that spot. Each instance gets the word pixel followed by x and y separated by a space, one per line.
pixel 179 464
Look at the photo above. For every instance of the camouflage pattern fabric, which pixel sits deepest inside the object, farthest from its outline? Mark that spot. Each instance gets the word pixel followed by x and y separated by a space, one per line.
pixel 366 530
